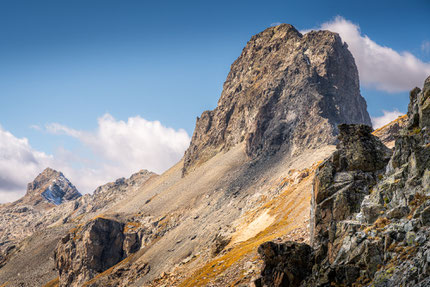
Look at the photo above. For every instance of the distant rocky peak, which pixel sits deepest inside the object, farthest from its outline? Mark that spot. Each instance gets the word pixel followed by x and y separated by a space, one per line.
pixel 286 92
pixel 53 187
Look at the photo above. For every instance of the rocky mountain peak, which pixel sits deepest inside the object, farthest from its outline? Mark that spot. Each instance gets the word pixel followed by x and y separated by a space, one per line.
pixel 286 91
pixel 51 186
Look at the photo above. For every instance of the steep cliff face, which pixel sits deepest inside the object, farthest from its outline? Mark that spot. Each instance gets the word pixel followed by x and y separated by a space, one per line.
pixel 370 213
pixel 286 91
pixel 95 247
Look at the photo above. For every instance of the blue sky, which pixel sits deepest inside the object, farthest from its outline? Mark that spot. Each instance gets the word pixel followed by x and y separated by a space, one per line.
pixel 66 64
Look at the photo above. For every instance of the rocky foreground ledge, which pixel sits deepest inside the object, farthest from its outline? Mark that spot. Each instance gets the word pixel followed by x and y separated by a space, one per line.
pixel 370 212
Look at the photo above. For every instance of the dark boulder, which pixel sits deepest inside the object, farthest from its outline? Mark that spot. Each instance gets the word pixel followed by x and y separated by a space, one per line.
pixel 286 264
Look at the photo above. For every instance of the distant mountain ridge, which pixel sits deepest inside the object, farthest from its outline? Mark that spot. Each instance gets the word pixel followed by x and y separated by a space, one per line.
pixel 53 186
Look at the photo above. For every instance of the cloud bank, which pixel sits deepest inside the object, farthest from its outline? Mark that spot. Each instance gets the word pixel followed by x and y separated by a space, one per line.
pixel 115 149
pixel 380 67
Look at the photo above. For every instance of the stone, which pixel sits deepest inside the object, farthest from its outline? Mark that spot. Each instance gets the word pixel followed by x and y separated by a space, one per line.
pixel 358 149
pixel 220 242
pixel 49 187
pixel 342 183
pixel 398 212
pixel 425 216
pixel 410 237
pixel 131 243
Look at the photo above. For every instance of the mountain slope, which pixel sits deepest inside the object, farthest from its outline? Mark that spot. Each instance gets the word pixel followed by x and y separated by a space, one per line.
pixel 29 232
pixel 245 179
pixel 235 186
pixel 388 133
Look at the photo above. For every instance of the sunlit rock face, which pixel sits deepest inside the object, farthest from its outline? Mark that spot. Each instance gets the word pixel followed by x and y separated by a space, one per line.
pixel 53 187
pixel 286 92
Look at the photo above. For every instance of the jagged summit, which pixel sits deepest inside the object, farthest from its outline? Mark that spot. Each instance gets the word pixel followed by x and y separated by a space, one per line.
pixel 286 91
pixel 50 186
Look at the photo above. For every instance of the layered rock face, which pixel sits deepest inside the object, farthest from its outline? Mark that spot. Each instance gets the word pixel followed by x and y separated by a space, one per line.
pixel 286 264
pixel 287 91
pixel 370 217
pixel 89 250
pixel 341 183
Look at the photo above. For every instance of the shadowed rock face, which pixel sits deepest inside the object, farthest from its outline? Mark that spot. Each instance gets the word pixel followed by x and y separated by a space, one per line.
pixel 285 264
pixel 90 250
pixel 286 91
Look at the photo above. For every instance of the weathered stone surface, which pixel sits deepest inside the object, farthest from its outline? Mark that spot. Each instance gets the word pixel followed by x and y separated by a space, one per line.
pixel 342 182
pixel 379 236
pixel 286 264
pixel 287 91
pixel 425 216
pixel 359 150
pixel 91 249
pixel 342 252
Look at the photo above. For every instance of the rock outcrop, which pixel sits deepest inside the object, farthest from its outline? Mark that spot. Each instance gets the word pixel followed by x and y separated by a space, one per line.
pixel 286 264
pixel 91 249
pixel 370 216
pixel 34 217
pixel 287 91
pixel 341 184
pixel 23 217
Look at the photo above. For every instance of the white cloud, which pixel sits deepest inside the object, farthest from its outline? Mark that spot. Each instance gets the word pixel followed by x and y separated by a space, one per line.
pixel 116 149
pixel 387 117
pixel 379 67
pixel 134 144
pixel 36 127
pixel 275 24
pixel 19 164
pixel 56 128
pixel 425 47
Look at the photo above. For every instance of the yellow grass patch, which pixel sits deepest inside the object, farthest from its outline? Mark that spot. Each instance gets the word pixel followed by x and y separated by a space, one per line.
pixel 292 202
